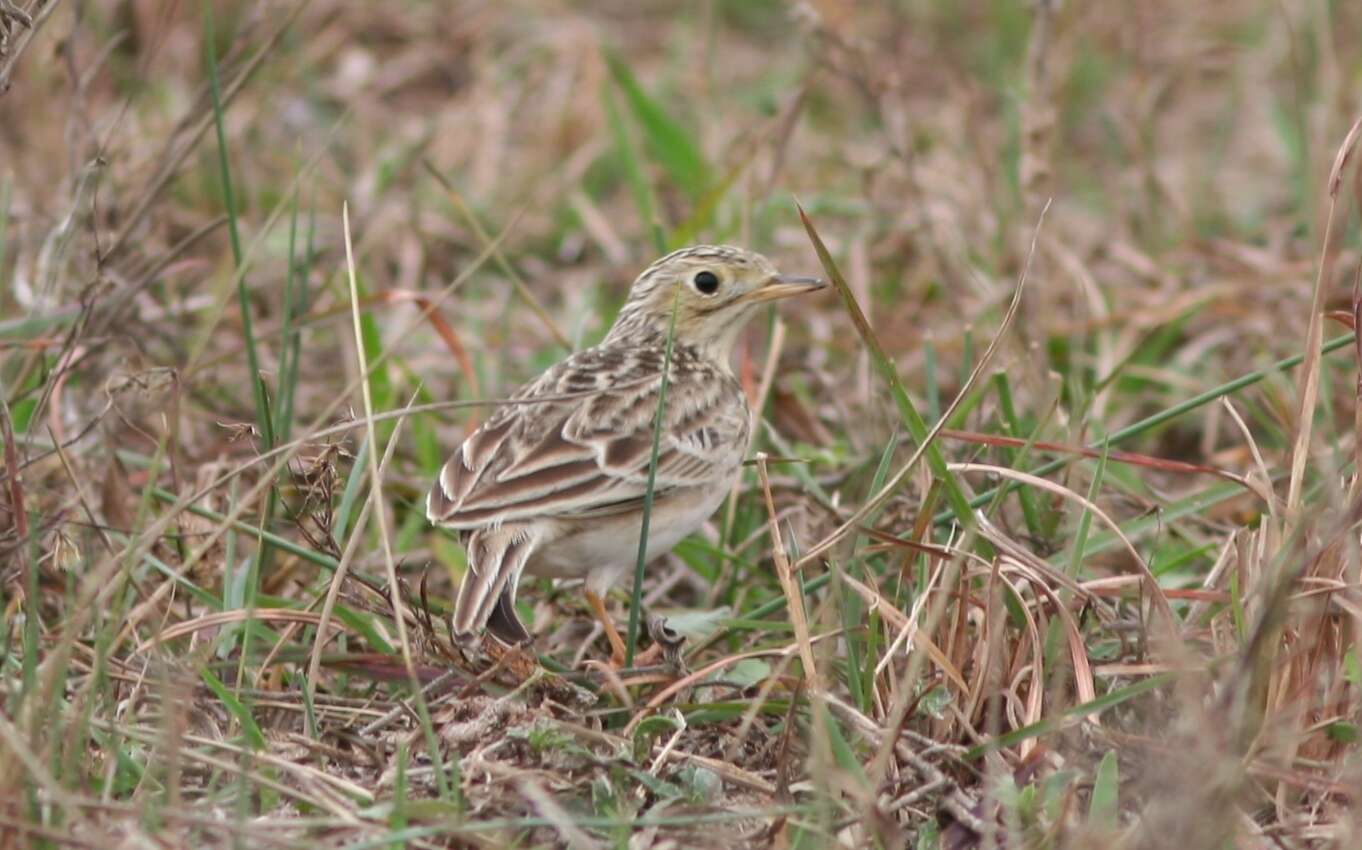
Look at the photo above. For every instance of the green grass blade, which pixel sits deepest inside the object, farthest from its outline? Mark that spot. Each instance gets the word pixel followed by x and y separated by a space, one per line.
pixel 234 231
pixel 1155 420
pixel 917 428
pixel 397 820
pixel 1192 505
pixel 707 205
pixel 860 643
pixel 236 708
pixel 309 708
pixel 636 600
pixel 1104 805
pixel 629 158
pixel 295 304
pixel 1013 427
pixel 1085 518
pixel 263 417
pixel 4 225
pixel 840 747
pixel 1056 722
pixel 354 485
pixel 670 142
pixel 932 388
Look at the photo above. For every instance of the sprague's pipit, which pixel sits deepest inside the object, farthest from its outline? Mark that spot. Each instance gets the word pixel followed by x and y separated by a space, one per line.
pixel 556 487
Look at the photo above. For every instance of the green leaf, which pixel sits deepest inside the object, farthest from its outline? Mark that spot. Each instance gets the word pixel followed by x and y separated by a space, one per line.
pixel 628 155
pixel 361 623
pixel 748 672
pixel 667 139
pixel 350 495
pixel 648 731
pixel 695 623
pixel 702 785
pixel 236 708
pixel 397 819
pixel 262 411
pixel 841 749
pixel 1103 807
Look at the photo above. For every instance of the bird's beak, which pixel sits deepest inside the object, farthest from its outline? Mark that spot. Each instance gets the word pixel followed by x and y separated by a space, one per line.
pixel 783 286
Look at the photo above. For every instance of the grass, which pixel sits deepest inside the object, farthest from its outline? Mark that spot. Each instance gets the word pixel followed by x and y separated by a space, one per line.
pixel 641 562
pixel 1050 535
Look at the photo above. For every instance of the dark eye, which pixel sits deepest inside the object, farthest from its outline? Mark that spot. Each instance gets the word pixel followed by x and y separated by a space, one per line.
pixel 707 283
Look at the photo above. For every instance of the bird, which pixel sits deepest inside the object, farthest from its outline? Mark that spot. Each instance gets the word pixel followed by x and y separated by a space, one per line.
pixel 553 482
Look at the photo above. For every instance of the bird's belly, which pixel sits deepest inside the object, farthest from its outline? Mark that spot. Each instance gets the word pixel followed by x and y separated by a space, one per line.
pixel 604 548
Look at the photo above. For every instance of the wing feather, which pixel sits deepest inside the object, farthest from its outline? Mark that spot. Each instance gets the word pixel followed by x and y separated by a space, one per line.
pixel 487 594
pixel 588 455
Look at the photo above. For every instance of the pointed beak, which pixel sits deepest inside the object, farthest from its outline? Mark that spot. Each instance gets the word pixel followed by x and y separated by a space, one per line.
pixel 783 286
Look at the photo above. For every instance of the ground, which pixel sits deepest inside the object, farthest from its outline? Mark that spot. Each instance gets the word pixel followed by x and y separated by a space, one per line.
pixel 1052 541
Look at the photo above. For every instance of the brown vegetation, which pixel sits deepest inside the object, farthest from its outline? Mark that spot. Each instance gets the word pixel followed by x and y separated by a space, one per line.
pixel 1147 636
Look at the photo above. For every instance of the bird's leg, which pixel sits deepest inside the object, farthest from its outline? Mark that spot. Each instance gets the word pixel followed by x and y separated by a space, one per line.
pixel 612 634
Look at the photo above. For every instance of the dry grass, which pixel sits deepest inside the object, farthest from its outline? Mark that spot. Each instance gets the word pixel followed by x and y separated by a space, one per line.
pixel 1148 638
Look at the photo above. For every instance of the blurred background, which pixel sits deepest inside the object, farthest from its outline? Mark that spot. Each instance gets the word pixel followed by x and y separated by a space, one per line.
pixel 1185 149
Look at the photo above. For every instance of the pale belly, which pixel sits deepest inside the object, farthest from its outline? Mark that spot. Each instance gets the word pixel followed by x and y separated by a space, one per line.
pixel 604 550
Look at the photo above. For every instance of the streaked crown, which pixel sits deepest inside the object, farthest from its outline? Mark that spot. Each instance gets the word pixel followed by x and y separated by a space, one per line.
pixel 709 290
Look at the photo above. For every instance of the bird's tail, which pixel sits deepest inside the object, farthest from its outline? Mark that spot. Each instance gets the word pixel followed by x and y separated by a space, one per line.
pixel 486 598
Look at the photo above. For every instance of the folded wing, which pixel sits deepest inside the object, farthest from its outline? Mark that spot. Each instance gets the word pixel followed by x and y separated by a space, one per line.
pixel 584 450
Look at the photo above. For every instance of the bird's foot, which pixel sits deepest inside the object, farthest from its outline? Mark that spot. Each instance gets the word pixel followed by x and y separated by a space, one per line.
pixel 664 653
pixel 667 646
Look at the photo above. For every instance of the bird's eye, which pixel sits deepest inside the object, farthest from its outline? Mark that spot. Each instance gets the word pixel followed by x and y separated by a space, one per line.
pixel 706 283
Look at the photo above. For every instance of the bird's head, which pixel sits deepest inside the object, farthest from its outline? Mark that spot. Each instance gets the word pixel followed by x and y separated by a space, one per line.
pixel 712 290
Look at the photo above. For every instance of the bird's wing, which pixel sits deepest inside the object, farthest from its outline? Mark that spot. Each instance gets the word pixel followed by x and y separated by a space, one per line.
pixel 588 454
